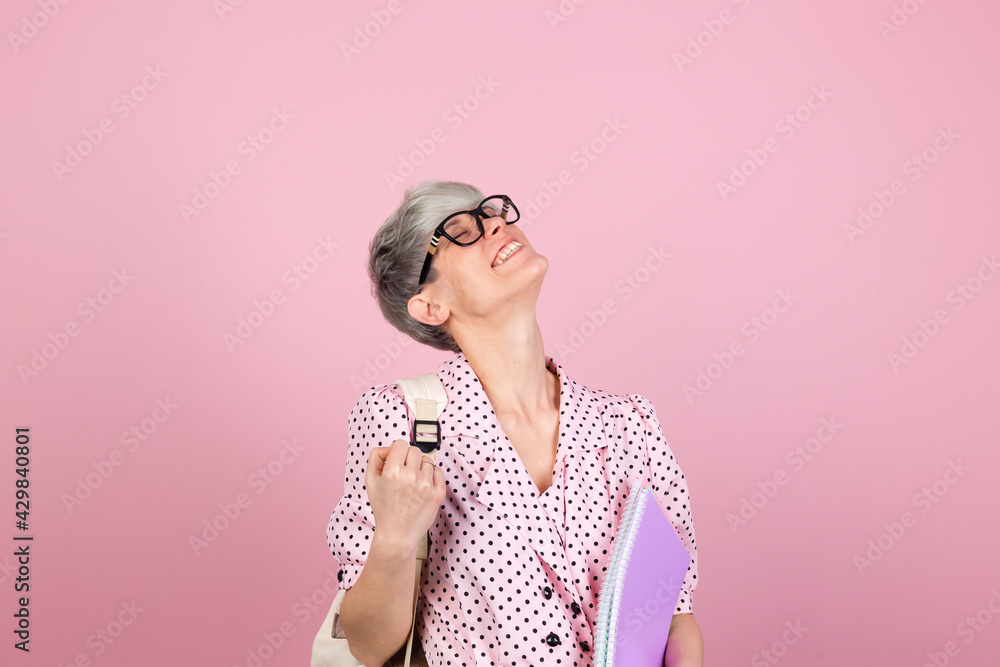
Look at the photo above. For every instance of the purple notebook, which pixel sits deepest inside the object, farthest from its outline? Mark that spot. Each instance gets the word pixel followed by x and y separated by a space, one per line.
pixel 640 590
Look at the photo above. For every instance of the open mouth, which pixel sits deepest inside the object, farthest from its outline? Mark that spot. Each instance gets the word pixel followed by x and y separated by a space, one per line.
pixel 506 252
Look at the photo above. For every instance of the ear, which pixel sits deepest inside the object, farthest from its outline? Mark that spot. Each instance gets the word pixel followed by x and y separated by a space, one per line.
pixel 424 308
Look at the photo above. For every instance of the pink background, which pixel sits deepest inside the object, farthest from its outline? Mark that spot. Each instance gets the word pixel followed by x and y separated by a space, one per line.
pixel 672 132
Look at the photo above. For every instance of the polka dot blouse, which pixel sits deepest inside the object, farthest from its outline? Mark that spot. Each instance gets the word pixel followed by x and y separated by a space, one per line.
pixel 514 577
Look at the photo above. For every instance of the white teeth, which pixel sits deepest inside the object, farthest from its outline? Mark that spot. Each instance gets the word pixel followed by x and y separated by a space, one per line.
pixel 507 252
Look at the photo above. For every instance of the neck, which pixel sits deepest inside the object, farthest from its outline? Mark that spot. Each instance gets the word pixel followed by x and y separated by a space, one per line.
pixel 510 364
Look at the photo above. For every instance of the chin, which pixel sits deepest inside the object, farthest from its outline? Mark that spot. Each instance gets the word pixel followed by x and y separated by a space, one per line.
pixel 535 270
pixel 544 261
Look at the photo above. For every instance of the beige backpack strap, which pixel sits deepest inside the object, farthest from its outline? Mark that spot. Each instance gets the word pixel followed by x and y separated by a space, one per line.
pixel 426 398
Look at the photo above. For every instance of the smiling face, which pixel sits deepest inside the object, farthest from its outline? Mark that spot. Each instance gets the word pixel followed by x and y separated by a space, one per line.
pixel 495 277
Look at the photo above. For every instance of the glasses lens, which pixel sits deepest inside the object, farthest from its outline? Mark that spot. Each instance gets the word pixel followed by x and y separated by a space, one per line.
pixel 498 206
pixel 462 228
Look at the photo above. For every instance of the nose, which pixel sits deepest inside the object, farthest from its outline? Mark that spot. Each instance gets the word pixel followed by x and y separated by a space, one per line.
pixel 493 226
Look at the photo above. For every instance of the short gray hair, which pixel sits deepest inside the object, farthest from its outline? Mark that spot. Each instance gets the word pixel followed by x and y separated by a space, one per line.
pixel 397 251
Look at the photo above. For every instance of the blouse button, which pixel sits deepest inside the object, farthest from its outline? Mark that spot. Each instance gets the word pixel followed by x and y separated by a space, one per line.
pixel 576 609
pixel 553 639
pixel 585 647
pixel 547 592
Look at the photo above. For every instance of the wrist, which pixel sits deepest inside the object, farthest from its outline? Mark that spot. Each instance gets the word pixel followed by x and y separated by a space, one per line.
pixel 390 547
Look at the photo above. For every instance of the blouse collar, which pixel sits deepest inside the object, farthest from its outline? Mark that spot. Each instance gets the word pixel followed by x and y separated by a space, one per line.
pixel 580 408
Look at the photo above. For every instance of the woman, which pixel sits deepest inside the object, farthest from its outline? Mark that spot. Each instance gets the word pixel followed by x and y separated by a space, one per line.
pixel 533 466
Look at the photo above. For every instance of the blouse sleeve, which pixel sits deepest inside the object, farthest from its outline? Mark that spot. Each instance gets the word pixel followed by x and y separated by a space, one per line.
pixel 671 489
pixel 379 418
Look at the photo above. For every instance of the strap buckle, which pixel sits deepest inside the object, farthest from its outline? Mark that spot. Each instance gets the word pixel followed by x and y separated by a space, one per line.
pixel 426 435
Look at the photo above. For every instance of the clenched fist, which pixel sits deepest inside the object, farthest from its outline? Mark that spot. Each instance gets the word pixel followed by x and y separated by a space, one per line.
pixel 405 490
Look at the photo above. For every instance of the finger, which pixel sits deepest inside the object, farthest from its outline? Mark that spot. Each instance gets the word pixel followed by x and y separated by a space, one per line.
pixel 439 482
pixel 397 452
pixel 414 456
pixel 376 460
pixel 427 469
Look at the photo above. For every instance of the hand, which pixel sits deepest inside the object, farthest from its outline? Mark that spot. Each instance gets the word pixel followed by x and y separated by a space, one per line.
pixel 405 490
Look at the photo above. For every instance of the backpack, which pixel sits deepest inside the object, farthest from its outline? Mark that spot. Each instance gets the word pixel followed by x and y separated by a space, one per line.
pixel 426 399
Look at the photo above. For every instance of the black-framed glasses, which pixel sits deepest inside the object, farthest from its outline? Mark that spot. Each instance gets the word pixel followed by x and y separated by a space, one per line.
pixel 466 227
